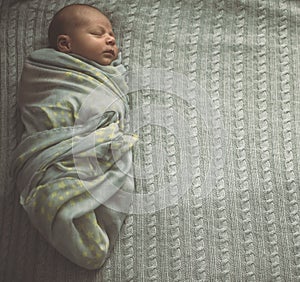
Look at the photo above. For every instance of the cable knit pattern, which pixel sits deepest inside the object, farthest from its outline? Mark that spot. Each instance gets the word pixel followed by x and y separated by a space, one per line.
pixel 9 207
pixel 264 146
pixel 4 193
pixel 151 218
pixel 235 125
pixel 175 266
pixel 199 264
pixel 290 181
pixel 241 153
pixel 223 255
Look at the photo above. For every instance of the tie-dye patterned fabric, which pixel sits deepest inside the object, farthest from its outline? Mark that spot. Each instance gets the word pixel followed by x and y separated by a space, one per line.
pixel 73 165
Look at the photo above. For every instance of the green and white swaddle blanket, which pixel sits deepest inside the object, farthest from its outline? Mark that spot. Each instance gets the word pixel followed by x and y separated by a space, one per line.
pixel 74 165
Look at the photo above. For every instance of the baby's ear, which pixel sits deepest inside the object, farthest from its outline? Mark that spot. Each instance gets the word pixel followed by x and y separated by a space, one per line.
pixel 64 43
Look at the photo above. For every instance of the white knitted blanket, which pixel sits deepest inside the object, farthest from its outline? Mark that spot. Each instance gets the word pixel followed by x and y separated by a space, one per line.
pixel 215 101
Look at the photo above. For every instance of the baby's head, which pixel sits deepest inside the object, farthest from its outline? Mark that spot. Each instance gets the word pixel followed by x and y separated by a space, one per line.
pixel 83 30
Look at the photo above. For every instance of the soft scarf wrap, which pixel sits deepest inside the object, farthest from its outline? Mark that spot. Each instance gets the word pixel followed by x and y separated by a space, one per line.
pixel 74 165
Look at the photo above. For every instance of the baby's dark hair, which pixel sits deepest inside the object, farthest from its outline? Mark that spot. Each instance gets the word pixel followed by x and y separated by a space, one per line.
pixel 63 20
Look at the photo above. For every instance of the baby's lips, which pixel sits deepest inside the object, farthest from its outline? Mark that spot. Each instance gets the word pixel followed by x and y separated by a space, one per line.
pixel 112 52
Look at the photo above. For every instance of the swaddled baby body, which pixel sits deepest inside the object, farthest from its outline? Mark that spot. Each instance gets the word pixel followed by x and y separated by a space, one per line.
pixel 74 167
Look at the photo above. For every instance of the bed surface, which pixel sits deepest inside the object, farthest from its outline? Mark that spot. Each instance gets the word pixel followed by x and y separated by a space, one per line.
pixel 215 100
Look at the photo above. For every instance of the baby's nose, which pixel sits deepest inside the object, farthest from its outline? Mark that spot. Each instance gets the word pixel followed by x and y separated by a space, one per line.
pixel 110 40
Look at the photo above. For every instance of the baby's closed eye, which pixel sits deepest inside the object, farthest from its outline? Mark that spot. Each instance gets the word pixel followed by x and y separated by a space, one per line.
pixel 97 33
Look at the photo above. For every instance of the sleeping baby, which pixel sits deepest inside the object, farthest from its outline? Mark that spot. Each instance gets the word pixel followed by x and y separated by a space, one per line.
pixel 73 166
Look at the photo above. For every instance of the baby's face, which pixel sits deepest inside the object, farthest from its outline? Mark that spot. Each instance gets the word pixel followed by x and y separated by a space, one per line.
pixel 94 39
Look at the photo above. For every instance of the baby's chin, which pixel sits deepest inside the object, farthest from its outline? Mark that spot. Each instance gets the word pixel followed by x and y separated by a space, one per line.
pixel 105 61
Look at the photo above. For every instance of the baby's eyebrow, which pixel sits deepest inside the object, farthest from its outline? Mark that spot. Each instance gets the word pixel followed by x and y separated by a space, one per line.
pixel 99 27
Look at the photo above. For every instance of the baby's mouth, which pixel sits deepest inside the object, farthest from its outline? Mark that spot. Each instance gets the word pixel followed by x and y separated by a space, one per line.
pixel 112 52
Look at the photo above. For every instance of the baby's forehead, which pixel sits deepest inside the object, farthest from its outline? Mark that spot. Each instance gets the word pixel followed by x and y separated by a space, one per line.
pixel 92 17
